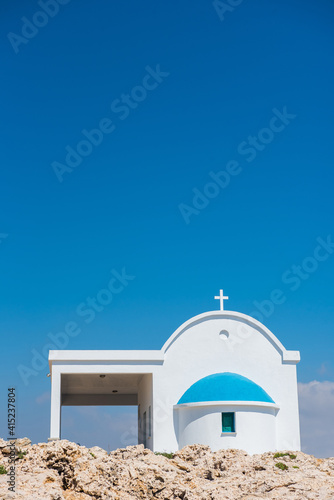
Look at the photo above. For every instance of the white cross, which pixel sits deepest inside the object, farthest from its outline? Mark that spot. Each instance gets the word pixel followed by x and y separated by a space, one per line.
pixel 221 297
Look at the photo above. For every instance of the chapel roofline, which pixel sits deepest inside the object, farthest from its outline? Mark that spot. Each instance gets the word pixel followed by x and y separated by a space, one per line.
pixel 292 357
pixel 157 356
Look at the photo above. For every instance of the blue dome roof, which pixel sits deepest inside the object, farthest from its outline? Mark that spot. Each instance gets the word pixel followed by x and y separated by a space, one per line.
pixel 225 387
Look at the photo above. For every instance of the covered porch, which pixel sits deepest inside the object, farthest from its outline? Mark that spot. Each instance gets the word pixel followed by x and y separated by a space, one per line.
pixel 111 382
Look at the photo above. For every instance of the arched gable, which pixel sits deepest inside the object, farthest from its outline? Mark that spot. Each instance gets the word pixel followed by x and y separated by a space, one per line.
pixel 287 356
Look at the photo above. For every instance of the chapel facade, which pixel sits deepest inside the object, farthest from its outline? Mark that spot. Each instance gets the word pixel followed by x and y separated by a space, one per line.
pixel 222 379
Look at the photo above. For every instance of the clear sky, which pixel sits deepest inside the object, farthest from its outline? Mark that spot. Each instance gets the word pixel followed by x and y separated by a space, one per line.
pixel 212 168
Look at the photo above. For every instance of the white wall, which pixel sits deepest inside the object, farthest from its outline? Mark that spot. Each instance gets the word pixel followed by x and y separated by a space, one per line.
pixel 145 400
pixel 55 416
pixel 254 428
pixel 200 351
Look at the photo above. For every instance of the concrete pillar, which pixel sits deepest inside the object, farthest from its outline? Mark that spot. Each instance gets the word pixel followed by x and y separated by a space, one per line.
pixel 55 421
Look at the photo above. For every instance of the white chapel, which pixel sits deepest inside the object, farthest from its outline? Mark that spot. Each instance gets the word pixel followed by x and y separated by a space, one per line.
pixel 222 379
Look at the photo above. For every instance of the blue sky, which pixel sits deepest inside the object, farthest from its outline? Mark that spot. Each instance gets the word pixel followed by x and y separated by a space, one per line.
pixel 221 85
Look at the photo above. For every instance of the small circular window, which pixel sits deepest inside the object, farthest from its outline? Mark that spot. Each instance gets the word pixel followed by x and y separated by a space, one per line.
pixel 224 334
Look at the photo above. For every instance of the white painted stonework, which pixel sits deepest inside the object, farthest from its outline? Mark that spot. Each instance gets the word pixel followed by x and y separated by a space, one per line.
pixel 221 344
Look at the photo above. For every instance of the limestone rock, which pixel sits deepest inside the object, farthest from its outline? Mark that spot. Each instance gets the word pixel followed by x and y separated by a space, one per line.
pixel 20 445
pixel 61 470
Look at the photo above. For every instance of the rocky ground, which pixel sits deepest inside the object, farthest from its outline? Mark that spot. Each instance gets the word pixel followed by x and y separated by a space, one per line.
pixel 62 470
